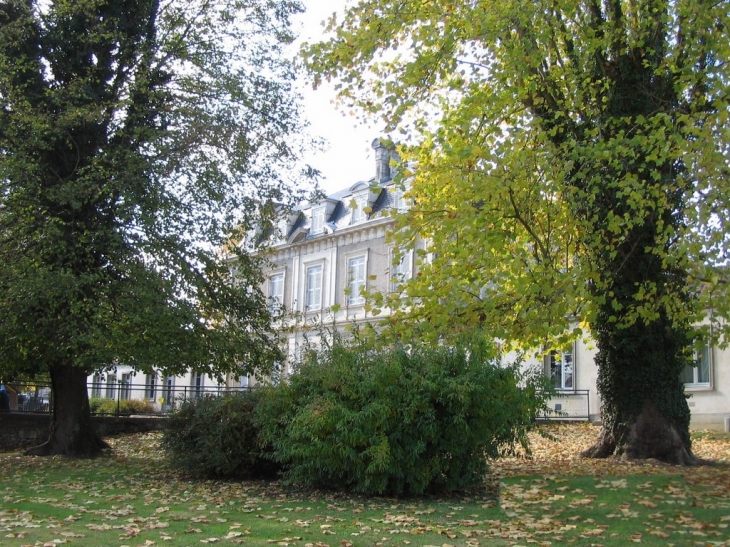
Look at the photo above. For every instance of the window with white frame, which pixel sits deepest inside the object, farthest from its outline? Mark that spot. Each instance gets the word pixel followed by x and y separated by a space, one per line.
pixel 168 392
pixel 276 292
pixel 282 229
pixel 313 289
pixel 150 385
pixel 698 375
pixel 111 386
pixel 196 384
pixel 358 209
pixel 317 220
pixel 126 385
pixel 400 269
pixel 96 386
pixel 560 367
pixel 399 199
pixel 243 380
pixel 355 280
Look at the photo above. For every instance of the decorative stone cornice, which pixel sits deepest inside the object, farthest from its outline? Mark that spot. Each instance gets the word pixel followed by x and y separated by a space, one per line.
pixel 366 231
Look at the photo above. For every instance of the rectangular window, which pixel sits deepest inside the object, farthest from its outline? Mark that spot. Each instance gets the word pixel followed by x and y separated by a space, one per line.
pixel 313 297
pixel 358 209
pixel 150 386
pixel 699 375
pixel 96 386
pixel 282 229
pixel 196 385
pixel 111 386
pixel 168 392
pixel 126 385
pixel 561 369
pixel 276 293
pixel 399 200
pixel 317 220
pixel 400 270
pixel 355 280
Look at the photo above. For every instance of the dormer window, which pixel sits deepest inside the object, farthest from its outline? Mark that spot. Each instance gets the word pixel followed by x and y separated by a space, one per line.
pixel 399 200
pixel 358 205
pixel 317 220
pixel 282 228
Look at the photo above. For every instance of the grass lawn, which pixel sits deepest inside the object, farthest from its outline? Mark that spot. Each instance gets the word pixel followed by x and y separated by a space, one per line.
pixel 130 497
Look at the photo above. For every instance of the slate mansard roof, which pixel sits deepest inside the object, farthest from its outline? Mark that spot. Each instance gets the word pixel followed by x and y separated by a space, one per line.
pixel 375 197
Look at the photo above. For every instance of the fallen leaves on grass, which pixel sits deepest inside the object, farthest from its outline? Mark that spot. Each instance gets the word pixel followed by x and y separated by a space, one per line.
pixel 542 503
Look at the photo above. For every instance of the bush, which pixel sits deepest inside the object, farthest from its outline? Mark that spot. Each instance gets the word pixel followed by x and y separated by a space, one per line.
pixel 123 406
pixel 398 422
pixel 216 437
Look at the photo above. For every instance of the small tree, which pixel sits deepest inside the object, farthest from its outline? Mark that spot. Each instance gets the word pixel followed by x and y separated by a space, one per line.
pixel 136 138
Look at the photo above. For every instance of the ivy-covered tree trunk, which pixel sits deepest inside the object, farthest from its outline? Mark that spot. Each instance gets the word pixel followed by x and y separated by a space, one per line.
pixel 641 353
pixel 582 146
pixel 72 433
pixel 644 409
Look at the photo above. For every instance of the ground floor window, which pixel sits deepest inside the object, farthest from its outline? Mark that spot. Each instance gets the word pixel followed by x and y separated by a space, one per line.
pixel 96 386
pixel 149 386
pixel 111 386
pixel 126 386
pixel 196 384
pixel 560 367
pixel 168 392
pixel 698 374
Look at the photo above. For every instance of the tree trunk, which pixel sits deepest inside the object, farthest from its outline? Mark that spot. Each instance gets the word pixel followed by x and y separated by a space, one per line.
pixel 650 435
pixel 644 409
pixel 72 433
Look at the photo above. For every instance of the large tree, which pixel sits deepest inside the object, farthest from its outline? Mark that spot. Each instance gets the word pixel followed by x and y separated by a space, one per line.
pixel 572 177
pixel 136 138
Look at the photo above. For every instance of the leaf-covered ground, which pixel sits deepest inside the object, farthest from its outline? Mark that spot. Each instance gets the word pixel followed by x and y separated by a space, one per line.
pixel 130 497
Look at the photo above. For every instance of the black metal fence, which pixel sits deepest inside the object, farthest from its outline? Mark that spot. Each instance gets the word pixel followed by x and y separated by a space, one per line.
pixel 27 396
pixel 123 398
pixel 116 397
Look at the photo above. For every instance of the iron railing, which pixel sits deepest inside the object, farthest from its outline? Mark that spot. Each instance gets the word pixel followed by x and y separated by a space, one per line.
pixel 123 398
pixel 115 397
pixel 29 396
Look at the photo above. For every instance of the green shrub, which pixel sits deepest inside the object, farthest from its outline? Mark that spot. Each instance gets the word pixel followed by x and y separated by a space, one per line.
pixel 216 437
pixel 123 406
pixel 398 422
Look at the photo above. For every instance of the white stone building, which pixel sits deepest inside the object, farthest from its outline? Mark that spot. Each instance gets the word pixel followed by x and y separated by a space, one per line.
pixel 325 253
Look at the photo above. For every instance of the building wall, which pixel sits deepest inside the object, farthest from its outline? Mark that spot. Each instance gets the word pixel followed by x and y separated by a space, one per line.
pixel 343 235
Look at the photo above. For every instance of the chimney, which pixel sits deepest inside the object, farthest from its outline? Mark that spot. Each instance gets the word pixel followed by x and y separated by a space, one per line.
pixel 382 160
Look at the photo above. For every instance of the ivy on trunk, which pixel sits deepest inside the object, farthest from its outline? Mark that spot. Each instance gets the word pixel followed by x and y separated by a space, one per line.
pixel 570 181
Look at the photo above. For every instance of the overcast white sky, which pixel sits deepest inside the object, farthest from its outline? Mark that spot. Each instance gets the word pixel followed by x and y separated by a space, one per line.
pixel 349 157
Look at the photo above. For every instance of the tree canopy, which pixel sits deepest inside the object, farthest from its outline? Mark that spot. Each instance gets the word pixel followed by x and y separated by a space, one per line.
pixel 137 137
pixel 571 175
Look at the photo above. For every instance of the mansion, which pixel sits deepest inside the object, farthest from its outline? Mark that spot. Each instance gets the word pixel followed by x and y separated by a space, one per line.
pixel 325 254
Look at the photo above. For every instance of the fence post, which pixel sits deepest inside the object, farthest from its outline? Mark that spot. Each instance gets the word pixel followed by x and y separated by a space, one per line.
pixel 119 397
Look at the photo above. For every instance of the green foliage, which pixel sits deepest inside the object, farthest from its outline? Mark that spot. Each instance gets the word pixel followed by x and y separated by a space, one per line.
pixel 398 420
pixel 136 139
pixel 125 407
pixel 216 437
pixel 581 147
